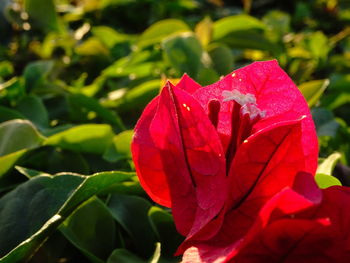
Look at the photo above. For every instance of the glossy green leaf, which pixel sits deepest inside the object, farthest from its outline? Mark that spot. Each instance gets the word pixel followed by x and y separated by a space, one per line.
pixel 313 90
pixel 131 212
pixel 9 160
pixel 160 30
pixel 17 135
pixel 184 53
pixel 90 138
pixel 91 229
pixel 29 213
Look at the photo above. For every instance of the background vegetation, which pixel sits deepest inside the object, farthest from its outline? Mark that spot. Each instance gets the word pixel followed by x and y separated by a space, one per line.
pixel 74 78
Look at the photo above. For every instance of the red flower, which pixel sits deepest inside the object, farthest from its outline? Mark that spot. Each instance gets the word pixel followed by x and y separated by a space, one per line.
pixel 303 224
pixel 216 154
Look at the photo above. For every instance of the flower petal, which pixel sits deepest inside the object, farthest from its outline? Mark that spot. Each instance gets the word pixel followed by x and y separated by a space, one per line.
pixel 192 159
pixel 275 94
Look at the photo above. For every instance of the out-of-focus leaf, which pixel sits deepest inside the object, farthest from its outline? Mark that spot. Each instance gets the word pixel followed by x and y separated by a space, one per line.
pixel 9 160
pixel 137 97
pixel 243 32
pixel 133 71
pixel 158 31
pixel 222 58
pixel 318 45
pixel 81 103
pixel 131 212
pixel 43 14
pixel 36 72
pixel 184 53
pixel 7 114
pixel 207 76
pixel 17 135
pixel 91 47
pixel 33 108
pixel 122 255
pixel 6 69
pixel 90 138
pixel 325 122
pixel 313 90
pixel 163 225
pixel 29 213
pixel 91 229
pixel 108 36
pixel 225 26
pixel 277 24
pixel 120 148
pixel 204 31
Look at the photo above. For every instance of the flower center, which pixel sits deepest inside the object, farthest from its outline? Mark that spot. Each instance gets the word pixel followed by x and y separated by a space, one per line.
pixel 245 113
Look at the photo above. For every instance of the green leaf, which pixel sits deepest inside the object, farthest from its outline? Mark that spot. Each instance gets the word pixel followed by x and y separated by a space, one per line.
pixel 7 114
pixel 43 14
pixel 318 45
pixel 29 213
pixel 80 103
pixel 207 76
pixel 160 30
pixel 91 229
pixel 163 224
pixel 184 53
pixel 324 171
pixel 122 255
pixel 6 69
pixel 222 58
pixel 17 135
pixel 9 160
pixel 33 108
pixel 137 97
pixel 92 47
pixel 278 24
pixel 120 148
pixel 325 123
pixel 90 138
pixel 327 166
pixel 131 212
pixel 108 36
pixel 204 31
pixel 36 72
pixel 313 90
pixel 324 181
pixel 225 26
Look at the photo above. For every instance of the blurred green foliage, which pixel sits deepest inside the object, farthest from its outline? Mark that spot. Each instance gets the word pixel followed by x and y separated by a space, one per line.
pixel 75 76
